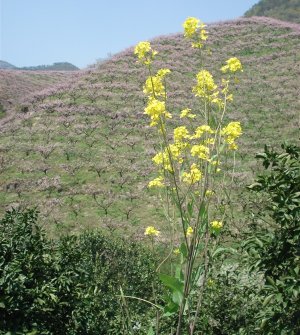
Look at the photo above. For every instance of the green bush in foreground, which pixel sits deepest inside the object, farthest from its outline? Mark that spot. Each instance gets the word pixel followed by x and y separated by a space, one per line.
pixel 275 247
pixel 71 286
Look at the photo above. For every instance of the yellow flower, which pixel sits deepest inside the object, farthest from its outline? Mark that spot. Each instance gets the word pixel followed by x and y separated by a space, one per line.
pixel 176 251
pixel 163 158
pixel 189 231
pixel 202 129
pixel 156 109
pixel 151 231
pixel 144 52
pixel 163 72
pixel 210 282
pixel 233 65
pixel 231 132
pixel 154 86
pixel 206 88
pixel 157 182
pixel 200 151
pixel 216 225
pixel 209 193
pixel 187 113
pixel 192 177
pixel 190 25
pixel 194 28
pixel 180 133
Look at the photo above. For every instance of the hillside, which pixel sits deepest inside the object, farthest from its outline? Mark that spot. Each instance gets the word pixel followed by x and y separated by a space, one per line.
pixel 6 65
pixel 83 152
pixel 286 10
pixel 16 86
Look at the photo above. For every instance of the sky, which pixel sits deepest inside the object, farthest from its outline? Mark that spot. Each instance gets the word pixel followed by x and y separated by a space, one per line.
pixel 39 32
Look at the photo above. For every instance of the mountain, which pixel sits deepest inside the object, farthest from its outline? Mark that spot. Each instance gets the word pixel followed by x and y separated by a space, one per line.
pixel 82 151
pixel 60 66
pixel 286 10
pixel 6 65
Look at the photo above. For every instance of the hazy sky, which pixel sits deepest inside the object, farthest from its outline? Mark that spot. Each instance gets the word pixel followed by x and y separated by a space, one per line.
pixel 36 32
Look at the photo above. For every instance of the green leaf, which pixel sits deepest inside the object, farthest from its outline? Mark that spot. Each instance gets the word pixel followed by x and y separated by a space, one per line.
pixel 170 309
pixel 177 297
pixel 183 250
pixel 268 299
pixel 150 331
pixel 270 281
pixel 172 283
pixel 190 208
pixel 223 250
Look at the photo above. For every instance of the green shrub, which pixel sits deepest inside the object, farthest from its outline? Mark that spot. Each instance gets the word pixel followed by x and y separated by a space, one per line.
pixel 275 248
pixel 70 286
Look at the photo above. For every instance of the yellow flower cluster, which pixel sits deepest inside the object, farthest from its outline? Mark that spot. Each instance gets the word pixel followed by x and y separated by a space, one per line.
pixel 151 231
pixel 232 65
pixel 189 231
pixel 194 29
pixel 144 52
pixel 216 225
pixel 201 130
pixel 209 193
pixel 187 113
pixel 193 176
pixel 206 87
pixel 200 151
pixel 156 109
pixel 181 133
pixel 231 132
pixel 157 182
pixel 154 86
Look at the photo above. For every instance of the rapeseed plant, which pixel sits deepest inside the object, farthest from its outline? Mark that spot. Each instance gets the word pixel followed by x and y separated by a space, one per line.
pixel 188 165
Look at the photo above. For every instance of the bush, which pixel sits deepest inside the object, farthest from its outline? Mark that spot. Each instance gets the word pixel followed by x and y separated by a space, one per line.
pixel 275 248
pixel 70 286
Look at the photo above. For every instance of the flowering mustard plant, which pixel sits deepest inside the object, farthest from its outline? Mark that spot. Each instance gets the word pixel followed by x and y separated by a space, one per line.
pixel 189 164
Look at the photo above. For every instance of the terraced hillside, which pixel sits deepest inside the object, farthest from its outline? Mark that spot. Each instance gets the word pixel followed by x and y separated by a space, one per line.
pixel 83 152
pixel 17 85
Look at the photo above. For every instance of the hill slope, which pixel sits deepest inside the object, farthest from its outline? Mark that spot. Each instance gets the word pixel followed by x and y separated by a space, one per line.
pixel 16 86
pixel 6 65
pixel 286 10
pixel 83 153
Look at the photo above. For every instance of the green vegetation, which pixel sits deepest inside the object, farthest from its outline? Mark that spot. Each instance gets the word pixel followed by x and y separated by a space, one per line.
pixel 286 10
pixel 71 285
pixel 274 247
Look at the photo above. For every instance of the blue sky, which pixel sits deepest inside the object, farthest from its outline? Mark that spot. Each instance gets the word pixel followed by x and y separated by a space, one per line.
pixel 35 32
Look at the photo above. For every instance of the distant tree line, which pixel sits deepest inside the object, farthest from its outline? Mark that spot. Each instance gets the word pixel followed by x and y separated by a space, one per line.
pixel 287 10
pixel 60 66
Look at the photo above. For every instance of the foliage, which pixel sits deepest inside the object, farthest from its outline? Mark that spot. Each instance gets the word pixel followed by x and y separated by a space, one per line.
pixel 288 10
pixel 231 301
pixel 70 286
pixel 275 247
